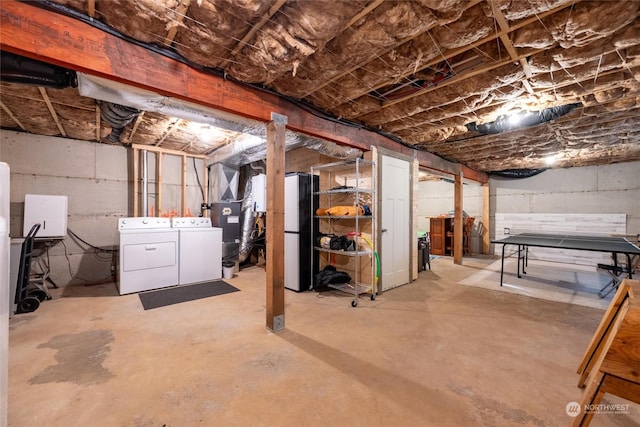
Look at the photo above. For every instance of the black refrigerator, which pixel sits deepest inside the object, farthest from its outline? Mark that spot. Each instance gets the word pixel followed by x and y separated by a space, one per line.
pixel 300 262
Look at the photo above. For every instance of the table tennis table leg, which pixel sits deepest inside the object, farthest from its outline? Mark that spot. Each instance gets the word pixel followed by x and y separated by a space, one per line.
pixel 518 260
pixel 629 266
pixel 502 265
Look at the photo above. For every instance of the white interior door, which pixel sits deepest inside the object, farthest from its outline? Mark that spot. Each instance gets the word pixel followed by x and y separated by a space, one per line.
pixel 395 222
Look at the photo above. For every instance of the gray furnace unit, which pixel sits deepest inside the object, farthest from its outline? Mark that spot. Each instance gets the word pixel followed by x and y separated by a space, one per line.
pixel 226 215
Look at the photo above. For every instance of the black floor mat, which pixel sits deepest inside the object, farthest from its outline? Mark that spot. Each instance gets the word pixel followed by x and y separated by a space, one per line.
pixel 164 297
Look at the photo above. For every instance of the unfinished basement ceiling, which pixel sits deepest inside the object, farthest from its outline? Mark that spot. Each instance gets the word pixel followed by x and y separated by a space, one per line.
pixel 429 73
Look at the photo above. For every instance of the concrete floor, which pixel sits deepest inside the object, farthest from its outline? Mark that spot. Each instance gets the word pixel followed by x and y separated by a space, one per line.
pixel 431 353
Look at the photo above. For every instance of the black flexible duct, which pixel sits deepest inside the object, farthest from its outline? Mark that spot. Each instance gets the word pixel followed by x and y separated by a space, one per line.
pixel 19 69
pixel 504 123
pixel 117 116
pixel 517 173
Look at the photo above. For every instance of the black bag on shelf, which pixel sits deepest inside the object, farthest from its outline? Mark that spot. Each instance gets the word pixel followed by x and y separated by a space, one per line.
pixel 336 243
pixel 329 275
pixel 342 243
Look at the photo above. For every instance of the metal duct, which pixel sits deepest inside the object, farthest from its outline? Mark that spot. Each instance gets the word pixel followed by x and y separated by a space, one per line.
pixel 145 100
pixel 248 148
pixel 19 69
pixel 246 213
pixel 252 147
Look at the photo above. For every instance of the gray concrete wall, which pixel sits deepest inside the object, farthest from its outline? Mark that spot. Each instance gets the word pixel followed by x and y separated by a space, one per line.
pixel 95 178
pixel 593 189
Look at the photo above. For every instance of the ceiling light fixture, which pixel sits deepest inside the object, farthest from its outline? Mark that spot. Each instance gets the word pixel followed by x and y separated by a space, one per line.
pixel 551 159
pixel 208 134
pixel 514 119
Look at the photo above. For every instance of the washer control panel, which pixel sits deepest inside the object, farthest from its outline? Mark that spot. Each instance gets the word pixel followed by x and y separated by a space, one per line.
pixel 190 222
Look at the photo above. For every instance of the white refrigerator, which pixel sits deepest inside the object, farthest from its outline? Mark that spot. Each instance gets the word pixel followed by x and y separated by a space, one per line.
pixel 298 265
pixel 4 291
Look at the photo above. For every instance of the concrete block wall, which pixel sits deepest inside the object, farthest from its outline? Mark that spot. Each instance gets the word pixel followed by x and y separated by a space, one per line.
pixel 95 178
pixel 610 189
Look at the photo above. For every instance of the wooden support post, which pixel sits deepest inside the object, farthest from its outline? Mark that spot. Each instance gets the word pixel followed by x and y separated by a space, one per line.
pixel 275 221
pixel 458 220
pixel 183 204
pixel 205 179
pixel 136 175
pixel 486 226
pixel 159 161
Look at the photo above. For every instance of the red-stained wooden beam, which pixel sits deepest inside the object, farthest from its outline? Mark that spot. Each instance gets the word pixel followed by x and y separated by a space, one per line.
pixel 50 37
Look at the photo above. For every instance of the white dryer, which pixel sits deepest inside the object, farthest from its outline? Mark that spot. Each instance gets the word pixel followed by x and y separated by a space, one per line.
pixel 200 250
pixel 148 254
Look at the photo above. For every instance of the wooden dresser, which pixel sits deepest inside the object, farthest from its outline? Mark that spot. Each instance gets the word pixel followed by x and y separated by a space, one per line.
pixel 438 235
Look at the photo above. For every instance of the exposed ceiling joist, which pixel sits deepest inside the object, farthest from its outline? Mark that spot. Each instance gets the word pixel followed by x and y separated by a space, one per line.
pixel 338 76
pixel 467 64
pixel 111 57
pixel 506 41
pixel 91 8
pixel 179 12
pixel 254 29
pixel 136 124
pixel 52 110
pixel 168 132
pixel 454 52
pixel 98 135
pixel 13 117
pixel 454 80
pixel 352 21
pixel 364 12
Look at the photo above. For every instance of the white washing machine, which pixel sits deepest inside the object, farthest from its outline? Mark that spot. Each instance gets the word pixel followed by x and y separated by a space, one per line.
pixel 148 254
pixel 200 250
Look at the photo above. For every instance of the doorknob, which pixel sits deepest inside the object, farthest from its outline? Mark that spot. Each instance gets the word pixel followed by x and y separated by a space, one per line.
pixel 384 230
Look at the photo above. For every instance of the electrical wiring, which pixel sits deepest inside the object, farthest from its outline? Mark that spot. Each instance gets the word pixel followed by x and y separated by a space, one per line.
pixel 73 275
pixel 195 169
pixel 66 255
pixel 89 244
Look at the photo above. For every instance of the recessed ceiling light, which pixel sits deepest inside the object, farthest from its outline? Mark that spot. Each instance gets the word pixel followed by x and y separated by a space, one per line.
pixel 550 160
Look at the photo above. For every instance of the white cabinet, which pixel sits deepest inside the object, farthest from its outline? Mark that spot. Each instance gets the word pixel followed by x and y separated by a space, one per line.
pixel 49 211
